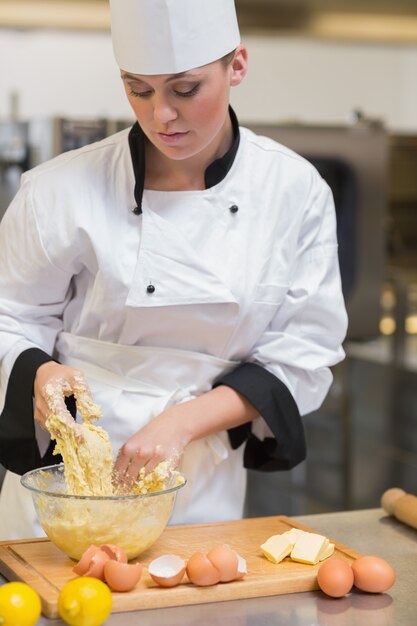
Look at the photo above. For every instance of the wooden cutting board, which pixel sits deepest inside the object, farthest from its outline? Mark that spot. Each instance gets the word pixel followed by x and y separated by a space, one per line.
pixel 43 566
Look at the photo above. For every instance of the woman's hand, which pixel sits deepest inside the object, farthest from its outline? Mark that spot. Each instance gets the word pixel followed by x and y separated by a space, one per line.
pixel 166 436
pixel 163 439
pixel 53 382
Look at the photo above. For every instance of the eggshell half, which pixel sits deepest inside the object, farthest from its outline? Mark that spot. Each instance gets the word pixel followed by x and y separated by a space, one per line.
pixel 373 574
pixel 84 563
pixel 91 563
pixel 114 552
pixel 335 577
pixel 122 576
pixel 97 563
pixel 201 571
pixel 225 561
pixel 167 570
pixel 242 568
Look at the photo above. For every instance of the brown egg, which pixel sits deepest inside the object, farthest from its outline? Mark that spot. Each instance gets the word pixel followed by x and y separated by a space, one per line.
pixel 114 552
pixel 335 577
pixel 201 571
pixel 122 576
pixel 84 563
pixel 167 570
pixel 225 561
pixel 373 574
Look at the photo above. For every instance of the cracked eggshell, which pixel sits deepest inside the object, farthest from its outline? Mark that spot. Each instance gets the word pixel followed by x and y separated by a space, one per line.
pixel 92 563
pixel 83 564
pixel 122 576
pixel 167 570
pixel 241 566
pixel 201 571
pixel 225 561
pixel 114 552
pixel 97 563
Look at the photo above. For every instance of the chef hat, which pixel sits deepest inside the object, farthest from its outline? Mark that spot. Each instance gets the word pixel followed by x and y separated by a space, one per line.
pixel 171 36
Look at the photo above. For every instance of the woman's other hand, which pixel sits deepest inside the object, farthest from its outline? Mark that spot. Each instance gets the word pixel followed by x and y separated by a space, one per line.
pixel 53 382
pixel 166 436
pixel 163 439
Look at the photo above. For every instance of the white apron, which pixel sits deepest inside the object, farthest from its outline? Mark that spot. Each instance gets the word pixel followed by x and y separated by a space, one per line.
pixel 133 384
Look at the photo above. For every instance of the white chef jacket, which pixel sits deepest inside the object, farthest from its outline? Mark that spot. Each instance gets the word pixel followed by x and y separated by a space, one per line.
pixel 156 304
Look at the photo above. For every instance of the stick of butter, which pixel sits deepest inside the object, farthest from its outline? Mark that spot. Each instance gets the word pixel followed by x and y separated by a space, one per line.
pixel 326 551
pixel 278 547
pixel 294 533
pixel 309 547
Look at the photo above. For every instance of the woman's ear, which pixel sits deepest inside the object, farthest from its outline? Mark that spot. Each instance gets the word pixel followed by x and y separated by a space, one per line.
pixel 239 65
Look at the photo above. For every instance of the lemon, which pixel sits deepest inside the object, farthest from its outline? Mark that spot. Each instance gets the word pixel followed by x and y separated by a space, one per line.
pixel 20 605
pixel 84 601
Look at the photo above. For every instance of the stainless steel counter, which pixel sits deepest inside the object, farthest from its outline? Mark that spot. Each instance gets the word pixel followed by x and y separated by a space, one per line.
pixel 368 532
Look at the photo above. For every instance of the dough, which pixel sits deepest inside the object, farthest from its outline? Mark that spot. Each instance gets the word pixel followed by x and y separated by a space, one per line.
pixel 86 449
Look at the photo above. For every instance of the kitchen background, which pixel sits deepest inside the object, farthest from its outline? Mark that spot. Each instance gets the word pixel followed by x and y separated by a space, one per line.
pixel 336 81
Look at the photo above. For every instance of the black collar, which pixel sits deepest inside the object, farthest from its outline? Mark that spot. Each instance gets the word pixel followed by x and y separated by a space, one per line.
pixel 213 175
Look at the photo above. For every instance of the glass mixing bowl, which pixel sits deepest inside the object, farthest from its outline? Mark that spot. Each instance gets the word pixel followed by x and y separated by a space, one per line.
pixel 73 523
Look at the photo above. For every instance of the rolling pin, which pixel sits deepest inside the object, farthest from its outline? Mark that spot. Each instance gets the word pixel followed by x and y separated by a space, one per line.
pixel 400 504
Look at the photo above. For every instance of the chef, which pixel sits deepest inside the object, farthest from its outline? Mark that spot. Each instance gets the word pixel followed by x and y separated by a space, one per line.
pixel 186 268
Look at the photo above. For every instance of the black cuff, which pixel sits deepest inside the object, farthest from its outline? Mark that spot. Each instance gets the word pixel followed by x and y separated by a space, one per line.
pixel 19 451
pixel 277 407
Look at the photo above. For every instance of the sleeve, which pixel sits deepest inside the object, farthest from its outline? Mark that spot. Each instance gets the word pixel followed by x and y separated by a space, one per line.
pixel 19 451
pixel 287 374
pixel 33 295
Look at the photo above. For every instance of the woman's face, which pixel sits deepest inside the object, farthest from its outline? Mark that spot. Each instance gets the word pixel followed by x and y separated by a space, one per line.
pixel 183 114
